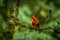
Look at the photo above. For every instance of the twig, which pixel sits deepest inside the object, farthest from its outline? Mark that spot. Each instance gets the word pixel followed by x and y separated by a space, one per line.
pixel 34 28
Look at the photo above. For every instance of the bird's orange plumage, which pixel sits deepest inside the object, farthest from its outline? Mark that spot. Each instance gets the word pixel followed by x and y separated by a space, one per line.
pixel 35 21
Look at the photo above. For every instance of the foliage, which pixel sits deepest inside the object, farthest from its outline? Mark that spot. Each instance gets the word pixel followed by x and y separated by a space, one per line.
pixel 16 19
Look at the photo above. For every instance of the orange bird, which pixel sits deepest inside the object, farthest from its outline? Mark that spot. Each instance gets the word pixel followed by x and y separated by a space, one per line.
pixel 35 22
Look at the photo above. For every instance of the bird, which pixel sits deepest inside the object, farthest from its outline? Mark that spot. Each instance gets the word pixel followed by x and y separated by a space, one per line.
pixel 35 22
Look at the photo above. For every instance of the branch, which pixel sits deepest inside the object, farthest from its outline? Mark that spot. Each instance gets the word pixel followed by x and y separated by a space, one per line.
pixel 39 29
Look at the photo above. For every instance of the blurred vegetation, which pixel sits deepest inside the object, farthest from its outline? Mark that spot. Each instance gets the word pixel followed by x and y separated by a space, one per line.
pixel 16 19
